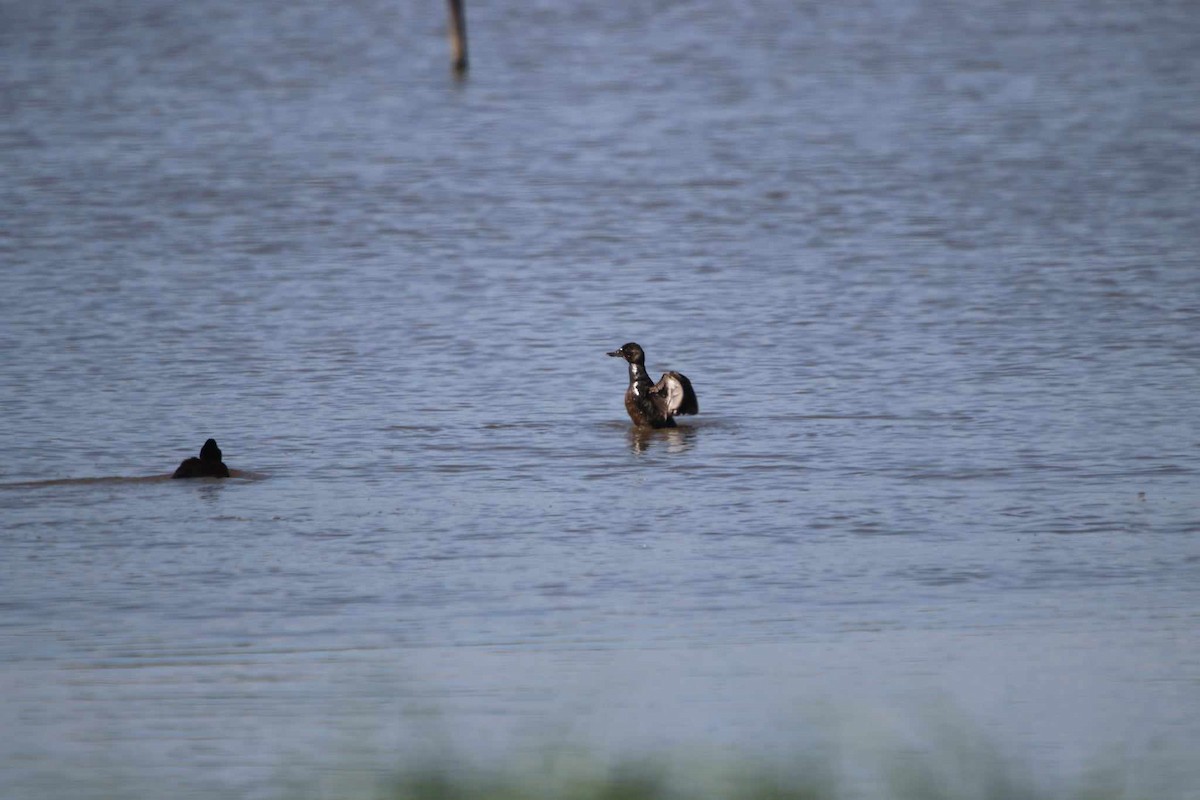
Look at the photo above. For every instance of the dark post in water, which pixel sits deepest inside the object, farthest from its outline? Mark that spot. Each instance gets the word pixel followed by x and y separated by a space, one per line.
pixel 458 35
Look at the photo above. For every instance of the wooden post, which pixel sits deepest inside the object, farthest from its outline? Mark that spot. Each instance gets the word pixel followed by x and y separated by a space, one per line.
pixel 458 35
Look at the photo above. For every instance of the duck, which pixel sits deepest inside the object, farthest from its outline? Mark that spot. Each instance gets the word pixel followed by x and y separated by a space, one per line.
pixel 208 465
pixel 654 405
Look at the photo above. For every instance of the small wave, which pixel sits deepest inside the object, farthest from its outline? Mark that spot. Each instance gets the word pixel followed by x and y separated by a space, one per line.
pixel 120 479
pixel 83 481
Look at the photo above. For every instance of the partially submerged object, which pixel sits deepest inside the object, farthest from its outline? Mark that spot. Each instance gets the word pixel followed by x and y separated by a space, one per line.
pixel 208 465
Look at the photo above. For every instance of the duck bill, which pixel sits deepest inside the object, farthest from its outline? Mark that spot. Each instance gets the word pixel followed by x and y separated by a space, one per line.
pixel 616 353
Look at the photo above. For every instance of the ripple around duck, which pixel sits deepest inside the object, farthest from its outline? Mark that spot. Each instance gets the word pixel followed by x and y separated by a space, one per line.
pixel 118 480
pixel 100 481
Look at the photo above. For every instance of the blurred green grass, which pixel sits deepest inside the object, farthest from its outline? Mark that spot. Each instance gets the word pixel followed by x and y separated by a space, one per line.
pixel 940 760
pixel 959 765
pixel 647 782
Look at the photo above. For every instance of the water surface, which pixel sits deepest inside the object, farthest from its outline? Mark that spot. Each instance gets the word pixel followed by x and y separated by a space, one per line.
pixel 932 269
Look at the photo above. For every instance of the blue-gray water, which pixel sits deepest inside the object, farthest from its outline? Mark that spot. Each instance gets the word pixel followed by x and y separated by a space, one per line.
pixel 933 268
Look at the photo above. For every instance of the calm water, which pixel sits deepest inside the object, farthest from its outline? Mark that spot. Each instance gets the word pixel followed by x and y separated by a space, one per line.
pixel 933 268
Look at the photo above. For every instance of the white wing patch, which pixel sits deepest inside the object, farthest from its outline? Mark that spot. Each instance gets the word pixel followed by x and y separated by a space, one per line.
pixel 677 393
pixel 674 393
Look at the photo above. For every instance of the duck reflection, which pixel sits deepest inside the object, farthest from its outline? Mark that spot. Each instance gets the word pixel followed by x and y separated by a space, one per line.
pixel 676 440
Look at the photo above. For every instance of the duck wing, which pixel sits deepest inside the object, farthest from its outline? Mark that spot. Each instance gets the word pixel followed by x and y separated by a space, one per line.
pixel 673 394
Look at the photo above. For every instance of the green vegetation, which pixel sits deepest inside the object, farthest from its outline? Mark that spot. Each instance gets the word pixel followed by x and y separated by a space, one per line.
pixel 643 783
pixel 946 762
pixel 966 769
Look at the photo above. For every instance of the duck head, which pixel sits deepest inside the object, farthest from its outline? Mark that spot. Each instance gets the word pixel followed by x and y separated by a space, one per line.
pixel 631 352
pixel 210 451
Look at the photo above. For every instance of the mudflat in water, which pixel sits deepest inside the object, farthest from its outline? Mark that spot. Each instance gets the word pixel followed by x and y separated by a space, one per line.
pixel 933 271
